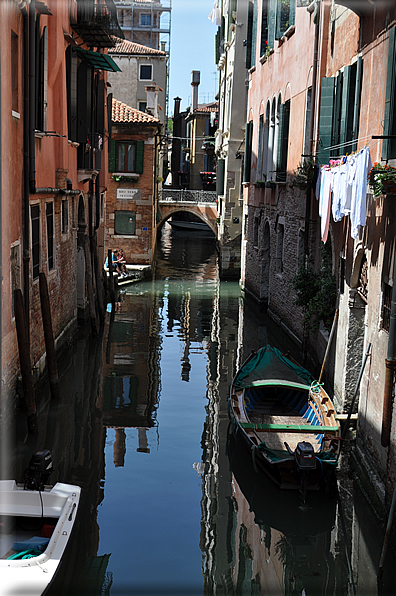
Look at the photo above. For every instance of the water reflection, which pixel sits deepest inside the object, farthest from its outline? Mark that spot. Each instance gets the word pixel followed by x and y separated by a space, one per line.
pixel 170 504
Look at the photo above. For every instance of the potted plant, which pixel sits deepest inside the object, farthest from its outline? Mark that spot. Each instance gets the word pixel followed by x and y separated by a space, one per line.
pixel 303 175
pixel 382 179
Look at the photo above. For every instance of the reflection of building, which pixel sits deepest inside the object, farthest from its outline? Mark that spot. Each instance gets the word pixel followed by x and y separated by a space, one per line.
pixel 129 396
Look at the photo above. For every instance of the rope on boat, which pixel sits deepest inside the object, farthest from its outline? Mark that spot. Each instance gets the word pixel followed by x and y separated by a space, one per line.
pixel 315 386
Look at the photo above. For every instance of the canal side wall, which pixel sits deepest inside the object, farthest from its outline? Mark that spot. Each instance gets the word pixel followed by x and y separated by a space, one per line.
pixel 282 225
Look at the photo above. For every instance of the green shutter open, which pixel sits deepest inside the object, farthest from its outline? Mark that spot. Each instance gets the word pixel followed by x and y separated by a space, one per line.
pixel 326 119
pixel 356 106
pixel 139 157
pixel 248 151
pixel 248 62
pixel 283 142
pixel 387 144
pixel 112 157
pixel 272 11
pixel 220 177
pixel 254 34
pixel 346 87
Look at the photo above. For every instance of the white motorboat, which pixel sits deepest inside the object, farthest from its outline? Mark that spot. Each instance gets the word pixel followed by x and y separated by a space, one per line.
pixel 36 522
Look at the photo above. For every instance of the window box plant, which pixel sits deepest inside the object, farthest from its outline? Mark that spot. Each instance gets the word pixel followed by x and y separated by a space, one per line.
pixel 382 179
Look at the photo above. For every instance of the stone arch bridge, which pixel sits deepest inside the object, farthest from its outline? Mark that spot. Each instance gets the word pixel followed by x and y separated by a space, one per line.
pixel 199 202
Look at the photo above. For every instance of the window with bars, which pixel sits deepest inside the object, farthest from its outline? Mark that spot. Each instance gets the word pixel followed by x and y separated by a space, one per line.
pixel 386 305
pixel 49 212
pixel 35 221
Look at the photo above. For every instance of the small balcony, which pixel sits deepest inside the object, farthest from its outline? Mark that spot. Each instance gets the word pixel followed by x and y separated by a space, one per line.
pixel 96 23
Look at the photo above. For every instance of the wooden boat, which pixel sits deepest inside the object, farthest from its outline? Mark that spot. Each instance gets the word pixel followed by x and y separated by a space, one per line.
pixel 286 419
pixel 35 528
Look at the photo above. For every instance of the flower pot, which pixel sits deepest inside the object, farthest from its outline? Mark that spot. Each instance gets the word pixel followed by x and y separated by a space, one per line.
pixel 389 187
pixel 270 184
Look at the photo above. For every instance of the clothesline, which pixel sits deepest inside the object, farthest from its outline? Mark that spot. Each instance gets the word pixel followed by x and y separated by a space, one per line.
pixel 342 190
pixel 343 144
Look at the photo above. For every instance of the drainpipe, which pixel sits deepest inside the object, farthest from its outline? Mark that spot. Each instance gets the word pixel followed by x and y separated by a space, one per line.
pixel 26 206
pixel 313 7
pixel 32 95
pixel 390 365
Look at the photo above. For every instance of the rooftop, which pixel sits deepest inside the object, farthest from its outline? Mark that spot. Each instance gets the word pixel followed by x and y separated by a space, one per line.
pixel 121 112
pixel 124 46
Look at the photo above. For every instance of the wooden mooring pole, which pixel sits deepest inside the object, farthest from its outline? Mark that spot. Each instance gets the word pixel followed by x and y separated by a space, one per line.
pixel 98 278
pixel 88 277
pixel 25 362
pixel 49 336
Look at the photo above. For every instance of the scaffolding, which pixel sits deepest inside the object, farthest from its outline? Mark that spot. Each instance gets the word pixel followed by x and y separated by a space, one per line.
pixel 148 22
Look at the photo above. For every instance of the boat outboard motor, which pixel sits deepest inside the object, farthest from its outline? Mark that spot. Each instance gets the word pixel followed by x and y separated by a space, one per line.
pixel 39 470
pixel 305 456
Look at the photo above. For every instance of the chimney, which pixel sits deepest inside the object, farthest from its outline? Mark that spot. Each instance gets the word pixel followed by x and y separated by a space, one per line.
pixel 176 109
pixel 195 80
pixel 152 100
pixel 163 44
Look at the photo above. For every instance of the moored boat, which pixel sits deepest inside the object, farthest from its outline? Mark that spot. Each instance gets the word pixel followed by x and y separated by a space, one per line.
pixel 287 420
pixel 36 522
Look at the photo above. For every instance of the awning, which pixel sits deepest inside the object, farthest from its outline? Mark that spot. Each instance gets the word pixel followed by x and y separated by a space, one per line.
pixel 98 60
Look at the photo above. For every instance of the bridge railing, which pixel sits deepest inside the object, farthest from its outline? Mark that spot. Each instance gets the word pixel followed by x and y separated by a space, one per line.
pixel 176 195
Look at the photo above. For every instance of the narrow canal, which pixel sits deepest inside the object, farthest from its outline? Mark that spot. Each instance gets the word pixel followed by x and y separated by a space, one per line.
pixel 171 503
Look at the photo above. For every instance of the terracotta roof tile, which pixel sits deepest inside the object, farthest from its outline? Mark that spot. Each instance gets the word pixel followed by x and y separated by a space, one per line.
pixel 208 107
pixel 124 46
pixel 121 112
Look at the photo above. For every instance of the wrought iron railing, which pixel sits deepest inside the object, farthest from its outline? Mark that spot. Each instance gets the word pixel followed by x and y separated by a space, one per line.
pixel 182 195
pixel 97 22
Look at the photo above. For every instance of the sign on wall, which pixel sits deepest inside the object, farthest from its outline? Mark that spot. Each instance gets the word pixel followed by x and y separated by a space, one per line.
pixel 129 194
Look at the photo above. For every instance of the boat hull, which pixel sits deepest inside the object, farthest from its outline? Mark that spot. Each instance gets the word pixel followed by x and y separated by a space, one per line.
pixel 60 504
pixel 288 424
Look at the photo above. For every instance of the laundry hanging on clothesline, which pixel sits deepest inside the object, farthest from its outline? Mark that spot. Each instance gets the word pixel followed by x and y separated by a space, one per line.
pixel 341 189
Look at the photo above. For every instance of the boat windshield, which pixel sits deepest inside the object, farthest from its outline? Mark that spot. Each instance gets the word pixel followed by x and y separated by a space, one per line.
pixel 269 364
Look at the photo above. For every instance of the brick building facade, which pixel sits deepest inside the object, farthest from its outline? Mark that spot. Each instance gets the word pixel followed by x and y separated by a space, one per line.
pixel 53 137
pixel 132 191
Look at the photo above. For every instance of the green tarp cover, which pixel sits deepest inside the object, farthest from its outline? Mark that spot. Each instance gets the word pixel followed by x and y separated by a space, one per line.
pixel 270 364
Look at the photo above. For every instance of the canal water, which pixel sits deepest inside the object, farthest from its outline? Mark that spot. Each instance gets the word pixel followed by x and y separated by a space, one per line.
pixel 170 501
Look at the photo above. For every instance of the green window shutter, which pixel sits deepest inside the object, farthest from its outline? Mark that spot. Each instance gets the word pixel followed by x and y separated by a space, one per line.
pixel 356 103
pixel 139 157
pixel 283 142
pixel 220 177
pixel 292 13
pixel 280 135
pixel 248 151
pixel 346 87
pixel 112 157
pixel 272 11
pixel 100 106
pixel 335 139
pixel 389 97
pixel 283 17
pixel 124 222
pixel 264 28
pixel 326 119
pixel 248 63
pixel 254 33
